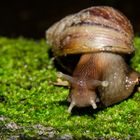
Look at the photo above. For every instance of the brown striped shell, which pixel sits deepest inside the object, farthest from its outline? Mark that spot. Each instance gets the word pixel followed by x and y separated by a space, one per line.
pixel 94 29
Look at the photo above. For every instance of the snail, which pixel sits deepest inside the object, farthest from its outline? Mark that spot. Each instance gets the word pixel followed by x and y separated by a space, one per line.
pixel 103 37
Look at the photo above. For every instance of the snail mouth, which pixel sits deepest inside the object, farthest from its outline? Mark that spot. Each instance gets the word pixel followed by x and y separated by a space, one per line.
pixel 72 104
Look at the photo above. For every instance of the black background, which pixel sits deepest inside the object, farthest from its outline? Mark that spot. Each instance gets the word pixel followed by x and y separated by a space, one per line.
pixel 30 18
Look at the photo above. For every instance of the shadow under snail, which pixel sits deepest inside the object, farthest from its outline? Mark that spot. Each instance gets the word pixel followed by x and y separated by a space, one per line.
pixel 103 36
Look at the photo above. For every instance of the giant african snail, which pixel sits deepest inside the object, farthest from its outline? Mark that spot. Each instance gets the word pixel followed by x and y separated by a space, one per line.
pixel 102 35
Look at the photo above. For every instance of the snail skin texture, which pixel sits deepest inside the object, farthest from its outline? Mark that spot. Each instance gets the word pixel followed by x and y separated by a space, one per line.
pixel 102 36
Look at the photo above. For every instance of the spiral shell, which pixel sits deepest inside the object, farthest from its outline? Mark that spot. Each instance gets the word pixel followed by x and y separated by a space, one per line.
pixel 94 29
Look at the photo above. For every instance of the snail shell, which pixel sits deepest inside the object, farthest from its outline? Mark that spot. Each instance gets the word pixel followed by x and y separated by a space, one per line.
pixel 94 29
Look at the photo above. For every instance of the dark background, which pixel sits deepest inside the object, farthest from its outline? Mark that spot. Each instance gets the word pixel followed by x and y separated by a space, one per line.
pixel 30 18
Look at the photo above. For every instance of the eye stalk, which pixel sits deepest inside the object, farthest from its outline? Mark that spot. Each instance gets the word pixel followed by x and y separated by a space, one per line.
pixel 96 83
pixel 73 80
pixel 70 79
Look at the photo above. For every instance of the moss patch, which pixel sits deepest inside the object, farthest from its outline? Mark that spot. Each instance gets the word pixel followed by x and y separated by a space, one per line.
pixel 32 107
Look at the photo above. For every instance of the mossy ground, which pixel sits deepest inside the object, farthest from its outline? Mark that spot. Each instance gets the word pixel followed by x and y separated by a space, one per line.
pixel 32 107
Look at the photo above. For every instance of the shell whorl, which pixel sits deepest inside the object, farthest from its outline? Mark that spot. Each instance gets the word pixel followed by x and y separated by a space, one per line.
pixel 94 29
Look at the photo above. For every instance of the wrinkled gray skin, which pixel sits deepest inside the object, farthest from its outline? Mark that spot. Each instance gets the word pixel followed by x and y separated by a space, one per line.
pixel 101 77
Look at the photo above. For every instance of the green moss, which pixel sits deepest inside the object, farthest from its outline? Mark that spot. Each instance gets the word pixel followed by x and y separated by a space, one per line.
pixel 28 99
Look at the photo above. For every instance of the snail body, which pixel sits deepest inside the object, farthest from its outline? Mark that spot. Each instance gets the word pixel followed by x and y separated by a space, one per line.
pixel 102 36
